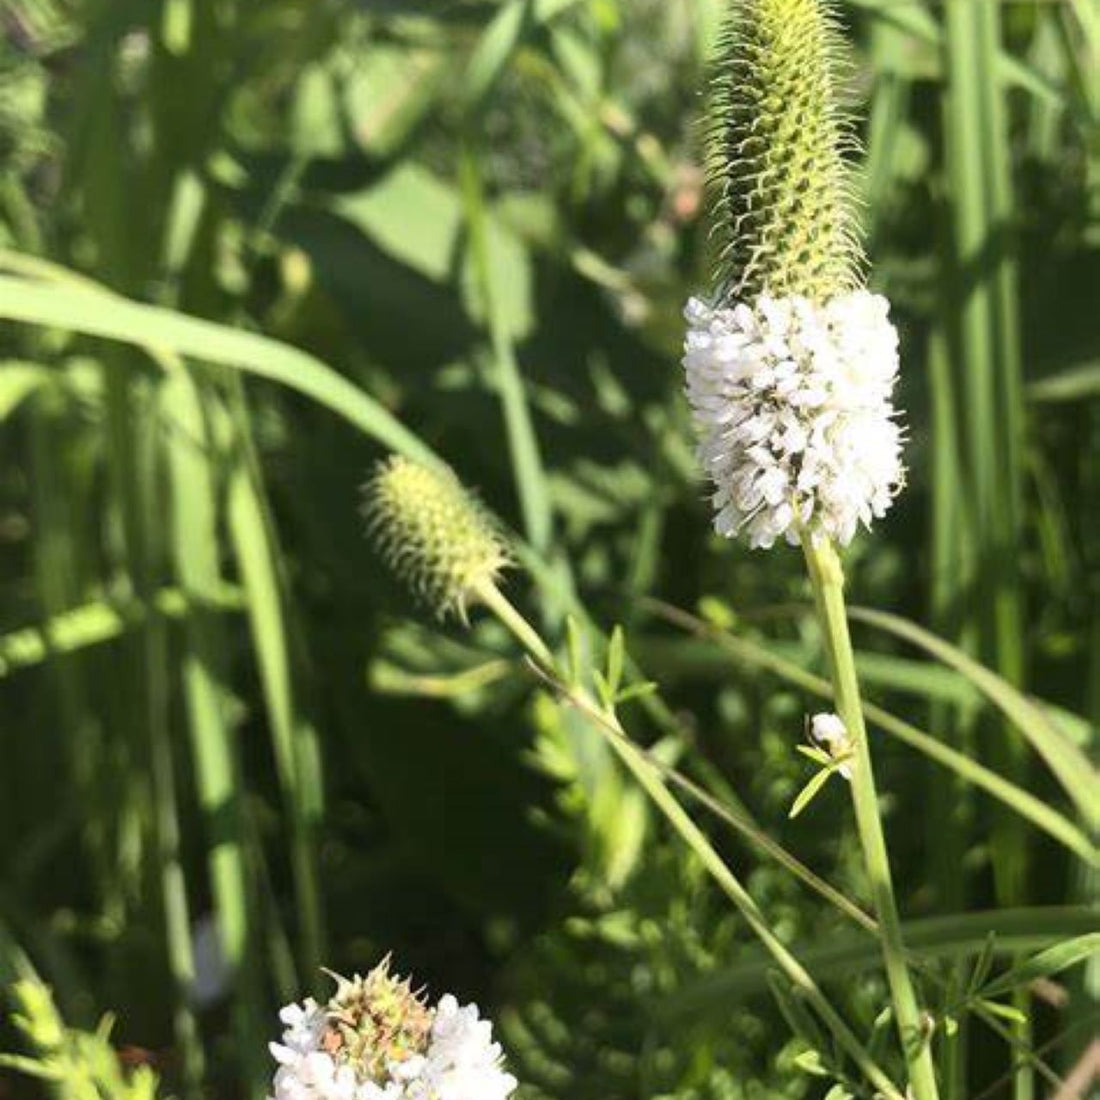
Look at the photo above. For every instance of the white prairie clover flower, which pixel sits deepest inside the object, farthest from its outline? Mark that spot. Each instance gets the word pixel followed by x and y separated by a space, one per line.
pixel 790 371
pixel 792 405
pixel 376 1039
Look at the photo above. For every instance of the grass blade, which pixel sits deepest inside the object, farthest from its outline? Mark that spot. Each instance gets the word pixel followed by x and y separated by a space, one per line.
pixel 1063 757
pixel 84 311
pixel 196 554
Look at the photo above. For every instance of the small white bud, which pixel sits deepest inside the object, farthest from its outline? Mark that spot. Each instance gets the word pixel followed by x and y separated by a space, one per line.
pixel 832 735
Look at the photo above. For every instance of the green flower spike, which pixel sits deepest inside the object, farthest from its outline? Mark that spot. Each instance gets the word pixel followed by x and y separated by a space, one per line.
pixel 784 212
pixel 434 534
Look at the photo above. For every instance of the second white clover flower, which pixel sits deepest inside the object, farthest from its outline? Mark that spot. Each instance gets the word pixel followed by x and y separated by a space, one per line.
pixel 377 1040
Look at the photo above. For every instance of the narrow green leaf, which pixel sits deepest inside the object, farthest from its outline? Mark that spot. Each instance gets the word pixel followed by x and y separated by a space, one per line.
pixel 806 795
pixel 637 691
pixel 818 756
pixel 615 661
pixel 915 19
pixel 256 558
pixel 983 964
pixel 1005 1012
pixel 947 937
pixel 1077 383
pixel 795 1012
pixel 1073 769
pixel 603 688
pixel 575 648
pixel 758 655
pixel 197 559
pixel 499 42
pixel 98 622
pixel 809 1061
pixel 1051 961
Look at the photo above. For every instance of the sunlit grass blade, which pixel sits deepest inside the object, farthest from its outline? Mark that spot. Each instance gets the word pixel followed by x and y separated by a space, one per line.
pixel 133 323
pixel 1050 961
pixel 196 555
pixel 531 487
pixel 1074 771
pixel 18 380
pixel 954 936
pixel 758 656
pixel 255 550
pixel 93 624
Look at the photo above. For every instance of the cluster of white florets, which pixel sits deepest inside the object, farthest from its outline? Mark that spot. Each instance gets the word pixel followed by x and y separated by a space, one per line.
pixel 456 1060
pixel 792 403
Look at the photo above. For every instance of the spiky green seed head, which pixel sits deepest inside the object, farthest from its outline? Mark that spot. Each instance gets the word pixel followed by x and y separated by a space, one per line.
pixel 375 1022
pixel 784 215
pixel 434 534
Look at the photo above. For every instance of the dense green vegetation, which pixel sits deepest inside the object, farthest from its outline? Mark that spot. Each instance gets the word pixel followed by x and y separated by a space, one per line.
pixel 247 249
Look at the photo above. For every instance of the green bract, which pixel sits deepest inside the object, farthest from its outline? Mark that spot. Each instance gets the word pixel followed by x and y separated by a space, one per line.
pixel 784 213
pixel 433 533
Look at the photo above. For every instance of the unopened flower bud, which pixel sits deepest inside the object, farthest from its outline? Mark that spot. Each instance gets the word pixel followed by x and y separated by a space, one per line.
pixel 832 735
pixel 433 533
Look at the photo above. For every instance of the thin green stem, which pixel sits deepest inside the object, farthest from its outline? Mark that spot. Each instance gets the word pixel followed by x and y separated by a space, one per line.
pixel 827 579
pixel 649 778
pixel 525 633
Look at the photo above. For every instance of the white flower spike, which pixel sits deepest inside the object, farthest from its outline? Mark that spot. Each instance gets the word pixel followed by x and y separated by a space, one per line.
pixel 377 1040
pixel 792 403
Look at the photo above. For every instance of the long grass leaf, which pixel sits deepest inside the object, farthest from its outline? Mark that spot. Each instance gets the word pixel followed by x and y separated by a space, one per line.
pixel 954 936
pixel 255 555
pixel 1077 775
pixel 130 322
pixel 1053 960
pixel 197 562
pixel 759 656
pixel 101 621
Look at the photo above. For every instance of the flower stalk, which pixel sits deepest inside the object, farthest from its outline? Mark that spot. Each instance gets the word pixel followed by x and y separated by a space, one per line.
pixel 650 780
pixel 827 580
pixel 450 550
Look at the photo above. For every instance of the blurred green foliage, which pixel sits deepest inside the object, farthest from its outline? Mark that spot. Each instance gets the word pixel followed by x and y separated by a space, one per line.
pixel 220 713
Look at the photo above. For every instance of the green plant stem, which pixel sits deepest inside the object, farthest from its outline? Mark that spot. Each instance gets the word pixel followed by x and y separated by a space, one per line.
pixel 525 633
pixel 649 778
pixel 827 579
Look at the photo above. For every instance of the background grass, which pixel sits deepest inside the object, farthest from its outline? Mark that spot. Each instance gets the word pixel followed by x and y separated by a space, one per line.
pixel 247 248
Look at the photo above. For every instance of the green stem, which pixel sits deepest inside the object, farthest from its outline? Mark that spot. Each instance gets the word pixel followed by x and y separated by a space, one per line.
pixel 649 778
pixel 525 633
pixel 827 579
